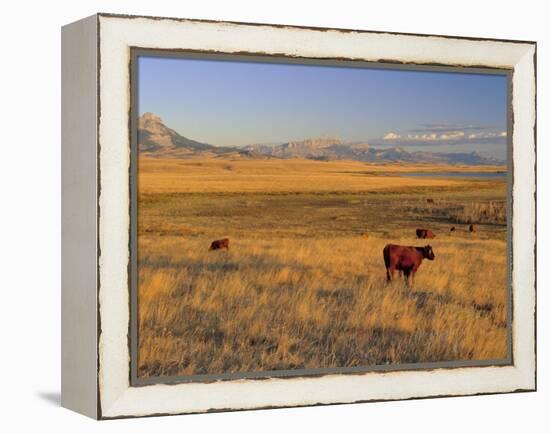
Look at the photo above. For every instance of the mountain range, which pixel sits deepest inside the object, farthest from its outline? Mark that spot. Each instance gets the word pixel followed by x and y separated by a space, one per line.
pixel 157 140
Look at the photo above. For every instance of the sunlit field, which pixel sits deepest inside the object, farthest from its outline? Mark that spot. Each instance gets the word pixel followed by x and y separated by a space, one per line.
pixel 301 286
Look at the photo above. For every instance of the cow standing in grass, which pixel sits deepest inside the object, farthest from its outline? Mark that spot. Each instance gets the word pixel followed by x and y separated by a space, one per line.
pixel 405 259
pixel 220 244
pixel 424 233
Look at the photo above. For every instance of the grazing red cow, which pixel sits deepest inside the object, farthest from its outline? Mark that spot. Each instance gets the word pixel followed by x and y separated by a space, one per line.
pixel 365 236
pixel 220 244
pixel 405 259
pixel 424 233
pixel 472 228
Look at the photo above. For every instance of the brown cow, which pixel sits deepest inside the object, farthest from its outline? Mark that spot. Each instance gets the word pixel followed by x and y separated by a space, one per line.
pixel 472 228
pixel 453 229
pixel 424 233
pixel 430 201
pixel 405 259
pixel 220 244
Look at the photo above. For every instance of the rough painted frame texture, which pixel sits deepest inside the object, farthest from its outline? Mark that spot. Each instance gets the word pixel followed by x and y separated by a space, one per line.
pixel 116 35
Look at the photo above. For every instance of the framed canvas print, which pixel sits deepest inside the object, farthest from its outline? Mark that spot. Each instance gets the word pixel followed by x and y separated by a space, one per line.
pixel 261 216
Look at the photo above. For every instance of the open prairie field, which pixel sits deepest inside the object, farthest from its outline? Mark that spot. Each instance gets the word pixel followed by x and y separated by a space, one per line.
pixel 300 287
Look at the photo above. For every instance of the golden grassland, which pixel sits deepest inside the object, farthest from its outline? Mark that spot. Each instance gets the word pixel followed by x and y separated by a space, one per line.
pixel 296 175
pixel 299 287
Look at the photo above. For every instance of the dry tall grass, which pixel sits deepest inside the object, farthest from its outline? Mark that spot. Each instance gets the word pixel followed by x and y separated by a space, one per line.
pixel 487 212
pixel 300 287
pixel 289 304
pixel 493 212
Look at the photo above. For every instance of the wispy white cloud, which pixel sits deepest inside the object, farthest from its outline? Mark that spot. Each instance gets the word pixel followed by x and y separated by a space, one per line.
pixel 391 136
pixel 448 134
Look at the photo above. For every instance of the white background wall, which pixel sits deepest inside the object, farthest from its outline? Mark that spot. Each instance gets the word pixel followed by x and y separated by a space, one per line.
pixel 30 216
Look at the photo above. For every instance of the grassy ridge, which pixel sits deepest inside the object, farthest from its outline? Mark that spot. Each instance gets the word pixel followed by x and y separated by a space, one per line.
pixel 299 287
pixel 263 176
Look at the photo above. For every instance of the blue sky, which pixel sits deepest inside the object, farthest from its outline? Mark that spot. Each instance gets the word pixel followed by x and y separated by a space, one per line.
pixel 233 103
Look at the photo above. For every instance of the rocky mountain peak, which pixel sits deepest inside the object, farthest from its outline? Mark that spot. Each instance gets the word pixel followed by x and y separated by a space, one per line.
pixel 315 143
pixel 153 132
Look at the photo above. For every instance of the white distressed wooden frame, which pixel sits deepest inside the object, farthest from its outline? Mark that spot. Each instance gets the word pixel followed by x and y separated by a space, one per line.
pixel 96 159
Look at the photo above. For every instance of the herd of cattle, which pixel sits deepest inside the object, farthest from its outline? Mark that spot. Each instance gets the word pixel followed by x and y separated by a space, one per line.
pixel 426 233
pixel 404 259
